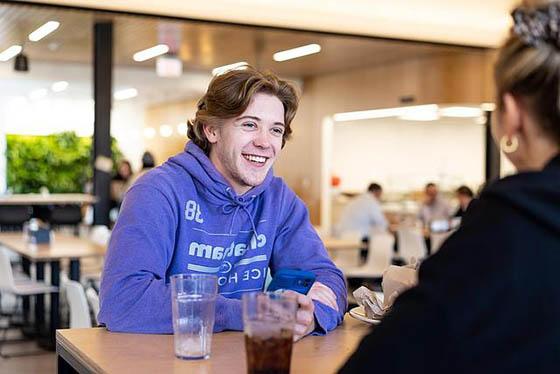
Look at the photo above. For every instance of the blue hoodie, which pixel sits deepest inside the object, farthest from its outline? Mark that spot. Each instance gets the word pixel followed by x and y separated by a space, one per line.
pixel 184 217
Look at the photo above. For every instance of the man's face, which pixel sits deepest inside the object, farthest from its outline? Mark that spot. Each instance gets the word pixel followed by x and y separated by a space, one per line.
pixel 245 148
pixel 431 193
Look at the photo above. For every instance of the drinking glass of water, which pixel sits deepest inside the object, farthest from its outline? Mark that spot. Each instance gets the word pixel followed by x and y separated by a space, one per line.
pixel 193 298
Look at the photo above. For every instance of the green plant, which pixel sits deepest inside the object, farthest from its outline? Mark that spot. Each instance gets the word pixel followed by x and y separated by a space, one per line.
pixel 60 162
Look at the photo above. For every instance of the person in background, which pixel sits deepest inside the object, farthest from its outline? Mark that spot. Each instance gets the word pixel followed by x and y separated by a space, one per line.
pixel 488 301
pixel 217 208
pixel 119 183
pixel 362 215
pixel 434 207
pixel 148 163
pixel 464 196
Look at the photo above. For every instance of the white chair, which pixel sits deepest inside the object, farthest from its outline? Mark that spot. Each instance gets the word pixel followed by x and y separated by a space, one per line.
pixel 379 257
pixel 18 288
pixel 93 300
pixel 411 244
pixel 79 309
pixel 93 267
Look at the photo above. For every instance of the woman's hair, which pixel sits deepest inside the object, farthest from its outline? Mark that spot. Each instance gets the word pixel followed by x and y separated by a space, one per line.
pixel 466 191
pixel 528 64
pixel 148 160
pixel 229 95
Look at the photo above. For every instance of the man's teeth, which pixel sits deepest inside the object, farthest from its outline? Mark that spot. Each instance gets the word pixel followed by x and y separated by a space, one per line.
pixel 253 158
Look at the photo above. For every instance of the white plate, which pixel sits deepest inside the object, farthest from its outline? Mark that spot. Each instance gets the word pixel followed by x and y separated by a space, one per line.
pixel 359 313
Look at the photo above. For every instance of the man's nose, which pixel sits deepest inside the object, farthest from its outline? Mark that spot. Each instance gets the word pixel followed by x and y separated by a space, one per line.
pixel 262 139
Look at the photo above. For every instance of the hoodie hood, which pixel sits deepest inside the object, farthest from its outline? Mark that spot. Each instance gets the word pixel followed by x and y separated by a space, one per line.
pixel 534 194
pixel 210 183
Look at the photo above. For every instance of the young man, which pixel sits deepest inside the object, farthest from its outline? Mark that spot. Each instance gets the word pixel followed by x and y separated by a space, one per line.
pixel 217 208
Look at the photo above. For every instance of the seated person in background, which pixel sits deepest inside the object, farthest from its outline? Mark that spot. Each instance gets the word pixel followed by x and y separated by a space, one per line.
pixel 217 208
pixel 488 301
pixel 119 183
pixel 434 207
pixel 465 196
pixel 148 163
pixel 363 215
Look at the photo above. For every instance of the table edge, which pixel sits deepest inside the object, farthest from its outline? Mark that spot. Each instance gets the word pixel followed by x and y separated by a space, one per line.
pixel 75 358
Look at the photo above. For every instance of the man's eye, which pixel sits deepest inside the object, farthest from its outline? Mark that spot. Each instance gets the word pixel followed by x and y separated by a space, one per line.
pixel 278 131
pixel 250 125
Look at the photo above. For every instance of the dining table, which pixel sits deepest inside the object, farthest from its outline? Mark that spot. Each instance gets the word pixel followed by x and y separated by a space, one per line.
pixel 48 199
pixel 96 350
pixel 61 247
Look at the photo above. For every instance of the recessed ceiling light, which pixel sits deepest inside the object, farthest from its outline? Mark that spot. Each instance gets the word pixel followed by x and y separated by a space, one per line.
pixel 488 107
pixel 413 113
pixel 59 86
pixel 297 52
pixel 125 94
pixel 166 131
pixel 183 128
pixel 43 31
pixel 38 94
pixel 223 69
pixel 149 132
pixel 461 112
pixel 149 53
pixel 10 52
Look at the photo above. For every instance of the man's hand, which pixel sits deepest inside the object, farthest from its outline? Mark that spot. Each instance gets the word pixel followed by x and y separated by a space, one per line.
pixel 305 319
pixel 323 294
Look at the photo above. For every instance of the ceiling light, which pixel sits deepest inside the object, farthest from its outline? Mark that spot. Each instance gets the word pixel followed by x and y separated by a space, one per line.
pixel 224 69
pixel 43 31
pixel 422 113
pixel 10 52
pixel 297 52
pixel 149 132
pixel 488 107
pixel 384 113
pixel 59 86
pixel 166 131
pixel 149 53
pixel 461 112
pixel 38 94
pixel 127 93
pixel 183 128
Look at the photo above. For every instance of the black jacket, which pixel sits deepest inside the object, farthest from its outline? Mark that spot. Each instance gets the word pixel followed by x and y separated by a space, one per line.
pixel 489 300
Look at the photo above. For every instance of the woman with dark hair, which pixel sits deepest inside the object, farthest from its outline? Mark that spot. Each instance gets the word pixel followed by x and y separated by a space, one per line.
pixel 489 301
pixel 465 197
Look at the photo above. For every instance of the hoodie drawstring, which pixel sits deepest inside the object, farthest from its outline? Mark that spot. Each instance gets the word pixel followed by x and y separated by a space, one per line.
pixel 234 205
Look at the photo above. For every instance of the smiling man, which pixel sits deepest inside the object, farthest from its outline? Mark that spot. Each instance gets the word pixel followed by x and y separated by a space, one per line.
pixel 217 208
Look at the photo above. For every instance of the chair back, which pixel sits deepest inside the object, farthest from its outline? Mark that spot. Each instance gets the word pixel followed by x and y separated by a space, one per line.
pixel 100 234
pixel 7 283
pixel 380 252
pixel 411 243
pixel 79 309
pixel 93 299
pixel 65 215
pixel 12 217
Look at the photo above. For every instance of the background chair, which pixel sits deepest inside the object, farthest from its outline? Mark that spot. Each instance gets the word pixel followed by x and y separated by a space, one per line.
pixel 12 217
pixel 411 244
pixel 93 300
pixel 79 309
pixel 379 258
pixel 19 288
pixel 66 215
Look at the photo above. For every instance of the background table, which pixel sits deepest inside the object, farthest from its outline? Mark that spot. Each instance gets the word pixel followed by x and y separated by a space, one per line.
pixel 47 199
pixel 97 350
pixel 61 247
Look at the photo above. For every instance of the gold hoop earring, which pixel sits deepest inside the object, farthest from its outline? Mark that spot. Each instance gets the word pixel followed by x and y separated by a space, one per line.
pixel 509 145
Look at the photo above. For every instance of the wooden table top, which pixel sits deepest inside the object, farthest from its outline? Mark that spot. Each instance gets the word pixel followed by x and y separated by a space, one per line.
pixel 62 246
pixel 335 244
pixel 97 350
pixel 48 199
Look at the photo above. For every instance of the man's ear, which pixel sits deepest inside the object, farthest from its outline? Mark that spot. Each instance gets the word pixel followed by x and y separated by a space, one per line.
pixel 513 113
pixel 212 133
